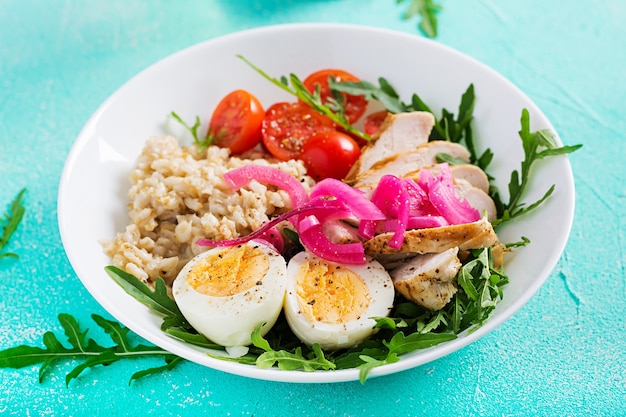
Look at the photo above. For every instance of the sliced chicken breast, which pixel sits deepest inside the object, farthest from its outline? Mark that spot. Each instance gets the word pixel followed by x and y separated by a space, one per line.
pixel 472 174
pixel 399 132
pixel 340 232
pixel 479 234
pixel 402 163
pixel 476 198
pixel 428 280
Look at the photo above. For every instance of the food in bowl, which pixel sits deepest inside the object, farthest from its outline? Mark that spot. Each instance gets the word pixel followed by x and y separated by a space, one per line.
pixel 397 208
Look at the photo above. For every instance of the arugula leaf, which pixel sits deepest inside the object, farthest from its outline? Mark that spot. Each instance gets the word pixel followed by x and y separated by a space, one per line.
pixel 427 9
pixel 293 85
pixel 201 143
pixel 370 363
pixel 400 343
pixel 10 221
pixel 174 323
pixel 537 145
pixel 157 300
pixel 447 127
pixel 289 360
pixel 480 289
pixel 85 349
pixel 170 363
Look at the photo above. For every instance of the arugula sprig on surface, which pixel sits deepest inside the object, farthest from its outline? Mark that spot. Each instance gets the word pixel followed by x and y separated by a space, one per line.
pixel 427 10
pixel 10 221
pixel 293 85
pixel 86 350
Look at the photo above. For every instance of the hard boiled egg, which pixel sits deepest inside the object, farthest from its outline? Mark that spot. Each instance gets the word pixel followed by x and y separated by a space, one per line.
pixel 226 292
pixel 333 304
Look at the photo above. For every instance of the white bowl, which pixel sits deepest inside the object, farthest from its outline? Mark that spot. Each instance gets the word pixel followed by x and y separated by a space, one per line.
pixel 92 193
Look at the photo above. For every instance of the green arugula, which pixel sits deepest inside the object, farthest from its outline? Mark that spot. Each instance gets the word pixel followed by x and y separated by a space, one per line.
pixel 427 9
pixel 537 145
pixel 289 360
pixel 204 142
pixel 334 109
pixel 10 221
pixel 409 327
pixel 85 349
pixel 158 301
pixel 448 127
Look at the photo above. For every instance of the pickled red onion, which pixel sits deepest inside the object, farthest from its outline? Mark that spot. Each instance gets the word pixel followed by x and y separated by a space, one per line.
pixel 240 177
pixel 440 192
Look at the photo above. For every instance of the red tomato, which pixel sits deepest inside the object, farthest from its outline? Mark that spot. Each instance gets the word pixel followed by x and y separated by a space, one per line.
pixel 287 126
pixel 236 122
pixel 329 155
pixel 354 106
pixel 373 121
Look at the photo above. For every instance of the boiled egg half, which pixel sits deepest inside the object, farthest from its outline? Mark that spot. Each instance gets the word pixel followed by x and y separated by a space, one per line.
pixel 333 304
pixel 227 292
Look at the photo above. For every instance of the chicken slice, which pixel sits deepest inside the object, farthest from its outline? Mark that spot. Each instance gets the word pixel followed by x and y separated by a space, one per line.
pixel 340 232
pixel 467 172
pixel 478 234
pixel 399 132
pixel 428 280
pixel 472 174
pixel 402 163
pixel 476 198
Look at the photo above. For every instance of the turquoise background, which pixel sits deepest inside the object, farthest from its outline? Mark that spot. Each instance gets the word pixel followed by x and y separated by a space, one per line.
pixel 563 354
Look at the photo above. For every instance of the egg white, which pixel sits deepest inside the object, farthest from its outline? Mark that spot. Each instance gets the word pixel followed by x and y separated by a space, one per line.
pixel 229 320
pixel 335 335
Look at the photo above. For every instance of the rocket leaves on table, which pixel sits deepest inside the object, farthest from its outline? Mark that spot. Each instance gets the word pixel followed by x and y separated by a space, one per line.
pixel 427 10
pixel 10 221
pixel 85 349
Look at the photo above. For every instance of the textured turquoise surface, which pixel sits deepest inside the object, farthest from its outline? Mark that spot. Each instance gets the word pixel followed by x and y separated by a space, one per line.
pixel 564 353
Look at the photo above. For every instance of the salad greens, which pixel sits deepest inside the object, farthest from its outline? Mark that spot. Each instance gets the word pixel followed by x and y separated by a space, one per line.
pixel 409 327
pixel 537 145
pixel 427 9
pixel 10 221
pixel 82 348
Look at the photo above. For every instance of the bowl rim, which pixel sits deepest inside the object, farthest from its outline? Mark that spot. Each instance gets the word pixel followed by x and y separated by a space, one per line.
pixel 273 374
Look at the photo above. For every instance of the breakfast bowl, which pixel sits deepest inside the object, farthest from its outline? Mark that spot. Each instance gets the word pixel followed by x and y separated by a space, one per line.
pixel 93 192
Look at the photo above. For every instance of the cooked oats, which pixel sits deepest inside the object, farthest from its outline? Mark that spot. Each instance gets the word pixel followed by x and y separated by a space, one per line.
pixel 178 196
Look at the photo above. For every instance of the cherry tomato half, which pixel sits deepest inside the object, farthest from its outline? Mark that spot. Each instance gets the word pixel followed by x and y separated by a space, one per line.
pixel 329 155
pixel 236 121
pixel 354 106
pixel 287 126
pixel 373 121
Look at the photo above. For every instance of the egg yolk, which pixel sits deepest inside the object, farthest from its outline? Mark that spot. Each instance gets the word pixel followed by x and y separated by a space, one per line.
pixel 228 272
pixel 331 293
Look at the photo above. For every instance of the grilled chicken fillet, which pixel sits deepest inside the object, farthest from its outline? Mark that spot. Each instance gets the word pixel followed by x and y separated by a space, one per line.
pixel 479 234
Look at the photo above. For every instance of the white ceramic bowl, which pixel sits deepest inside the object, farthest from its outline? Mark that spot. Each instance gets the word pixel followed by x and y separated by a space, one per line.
pixel 92 194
